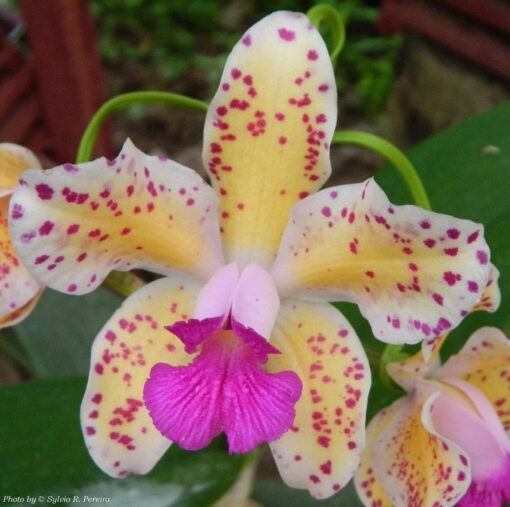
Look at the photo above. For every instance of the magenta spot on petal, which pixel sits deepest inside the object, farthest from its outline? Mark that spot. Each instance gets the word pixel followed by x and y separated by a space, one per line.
pixel 425 224
pixel 44 191
pixel 482 257
pixel 472 286
pixel 247 40
pixel 46 228
pixel 453 233
pixel 326 211
pixel 70 168
pixel 473 237
pixel 286 35
pixel 73 229
pixel 17 211
pixel 312 55
pixel 438 298
pixel 72 287
pixel 41 259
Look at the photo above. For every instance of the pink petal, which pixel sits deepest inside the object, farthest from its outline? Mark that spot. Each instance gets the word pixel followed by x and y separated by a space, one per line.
pixel 215 298
pixel 484 362
pixel 413 273
pixel 77 223
pixel 466 418
pixel 256 302
pixel 222 390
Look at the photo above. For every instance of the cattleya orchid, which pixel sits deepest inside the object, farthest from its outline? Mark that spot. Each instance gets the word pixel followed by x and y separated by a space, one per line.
pixel 254 349
pixel 19 291
pixel 444 443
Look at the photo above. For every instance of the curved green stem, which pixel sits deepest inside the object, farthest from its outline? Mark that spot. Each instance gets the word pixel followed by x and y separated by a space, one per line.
pixel 123 101
pixel 327 14
pixel 394 156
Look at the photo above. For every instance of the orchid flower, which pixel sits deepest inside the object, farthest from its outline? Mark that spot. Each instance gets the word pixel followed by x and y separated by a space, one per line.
pixel 254 350
pixel 444 443
pixel 19 291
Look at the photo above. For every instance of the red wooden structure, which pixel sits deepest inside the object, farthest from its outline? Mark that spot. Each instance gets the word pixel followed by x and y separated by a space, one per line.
pixel 49 92
pixel 478 30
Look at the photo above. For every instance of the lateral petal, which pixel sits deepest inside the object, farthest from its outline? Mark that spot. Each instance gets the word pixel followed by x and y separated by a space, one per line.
pixel 413 273
pixel 19 290
pixel 14 159
pixel 74 224
pixel 118 430
pixel 368 487
pixel 414 464
pixel 267 132
pixel 322 449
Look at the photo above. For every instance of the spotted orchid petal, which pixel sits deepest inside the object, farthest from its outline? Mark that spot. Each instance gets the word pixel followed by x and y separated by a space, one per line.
pixel 484 362
pixel 463 415
pixel 490 298
pixel 369 488
pixel 14 159
pixel 322 448
pixel 409 371
pixel 19 291
pixel 118 430
pixel 74 224
pixel 267 132
pixel 413 273
pixel 411 461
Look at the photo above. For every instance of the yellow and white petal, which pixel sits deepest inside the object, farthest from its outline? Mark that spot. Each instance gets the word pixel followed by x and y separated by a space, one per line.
pixel 116 425
pixel 490 298
pixel 74 224
pixel 19 291
pixel 368 487
pixel 489 301
pixel 14 159
pixel 415 465
pixel 413 273
pixel 408 372
pixel 322 449
pixel 484 362
pixel 267 132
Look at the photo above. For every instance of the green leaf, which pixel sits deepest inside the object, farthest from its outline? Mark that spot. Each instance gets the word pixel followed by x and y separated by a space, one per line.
pixel 43 453
pixel 274 493
pixel 58 335
pixel 465 169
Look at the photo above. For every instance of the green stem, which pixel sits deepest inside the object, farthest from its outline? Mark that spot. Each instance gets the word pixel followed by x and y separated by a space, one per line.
pixel 123 283
pixel 123 101
pixel 327 14
pixel 394 156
